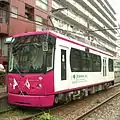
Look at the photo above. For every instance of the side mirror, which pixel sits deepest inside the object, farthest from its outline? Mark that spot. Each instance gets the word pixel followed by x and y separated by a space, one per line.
pixel 9 40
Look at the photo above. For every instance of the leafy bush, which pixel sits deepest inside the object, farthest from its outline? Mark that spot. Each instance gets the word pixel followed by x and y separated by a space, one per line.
pixel 47 116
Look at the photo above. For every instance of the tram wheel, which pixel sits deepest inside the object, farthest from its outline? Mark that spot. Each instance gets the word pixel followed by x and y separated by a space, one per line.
pixel 56 100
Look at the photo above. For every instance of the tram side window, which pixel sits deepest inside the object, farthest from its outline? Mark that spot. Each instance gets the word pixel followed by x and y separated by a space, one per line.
pixel 75 61
pixel 82 61
pixel 110 65
pixel 50 54
pixel 86 61
pixel 96 63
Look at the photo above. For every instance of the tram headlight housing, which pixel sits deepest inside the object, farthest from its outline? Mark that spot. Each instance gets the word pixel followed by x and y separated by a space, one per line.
pixel 40 85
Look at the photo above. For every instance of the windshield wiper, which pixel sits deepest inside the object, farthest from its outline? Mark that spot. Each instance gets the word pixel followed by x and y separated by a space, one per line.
pixel 19 71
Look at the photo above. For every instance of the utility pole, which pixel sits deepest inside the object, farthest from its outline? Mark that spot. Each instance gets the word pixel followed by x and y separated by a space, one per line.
pixel 88 28
pixel 88 34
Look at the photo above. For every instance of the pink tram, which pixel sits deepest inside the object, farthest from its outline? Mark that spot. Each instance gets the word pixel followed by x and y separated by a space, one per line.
pixel 46 68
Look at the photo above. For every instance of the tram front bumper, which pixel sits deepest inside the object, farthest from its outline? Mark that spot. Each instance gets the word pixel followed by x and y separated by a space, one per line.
pixel 31 101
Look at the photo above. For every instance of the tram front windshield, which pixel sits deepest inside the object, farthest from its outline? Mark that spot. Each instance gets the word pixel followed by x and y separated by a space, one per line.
pixel 27 55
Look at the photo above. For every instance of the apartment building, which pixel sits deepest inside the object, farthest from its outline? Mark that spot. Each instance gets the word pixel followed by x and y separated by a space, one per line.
pixel 19 16
pixel 91 20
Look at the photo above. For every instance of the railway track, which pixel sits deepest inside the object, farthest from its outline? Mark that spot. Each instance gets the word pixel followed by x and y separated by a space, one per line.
pixel 7 110
pixel 41 113
pixel 32 115
pixel 18 113
pixel 96 107
pixel 62 106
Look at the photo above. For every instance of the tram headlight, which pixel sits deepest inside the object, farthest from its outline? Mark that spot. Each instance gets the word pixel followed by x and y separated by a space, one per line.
pixel 40 85
pixel 40 78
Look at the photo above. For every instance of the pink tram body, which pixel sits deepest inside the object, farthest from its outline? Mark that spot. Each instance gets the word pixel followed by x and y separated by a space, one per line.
pixel 46 68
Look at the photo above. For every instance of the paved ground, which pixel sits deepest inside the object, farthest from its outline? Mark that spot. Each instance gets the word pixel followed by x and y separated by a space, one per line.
pixel 3 92
pixel 3 84
pixel 3 89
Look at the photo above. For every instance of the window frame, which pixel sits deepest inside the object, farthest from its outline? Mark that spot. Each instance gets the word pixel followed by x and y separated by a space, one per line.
pixel 14 14
pixel 39 2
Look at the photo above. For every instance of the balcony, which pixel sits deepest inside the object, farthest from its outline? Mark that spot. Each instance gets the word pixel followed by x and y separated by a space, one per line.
pixel 3 24
pixel 4 6
pixel 95 13
pixel 82 14
pixel 104 13
pixel 108 8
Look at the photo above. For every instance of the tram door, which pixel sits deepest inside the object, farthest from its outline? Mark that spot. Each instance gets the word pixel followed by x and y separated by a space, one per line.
pixel 104 67
pixel 62 68
pixel 63 65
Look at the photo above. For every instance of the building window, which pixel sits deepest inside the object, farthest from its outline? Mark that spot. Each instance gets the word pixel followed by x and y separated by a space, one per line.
pixel 29 12
pixel 3 12
pixel 39 22
pixel 3 16
pixel 14 11
pixel 42 4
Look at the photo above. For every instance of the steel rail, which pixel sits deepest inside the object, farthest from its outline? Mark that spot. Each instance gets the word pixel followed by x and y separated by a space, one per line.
pixel 7 110
pixel 40 113
pixel 96 107
pixel 31 116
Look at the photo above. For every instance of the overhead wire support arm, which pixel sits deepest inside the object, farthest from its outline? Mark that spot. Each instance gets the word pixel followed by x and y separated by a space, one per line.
pixel 59 9
pixel 55 10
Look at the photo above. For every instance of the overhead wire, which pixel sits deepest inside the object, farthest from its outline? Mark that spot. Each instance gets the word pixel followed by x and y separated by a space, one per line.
pixel 50 25
pixel 90 31
pixel 34 21
pixel 53 27
pixel 38 22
